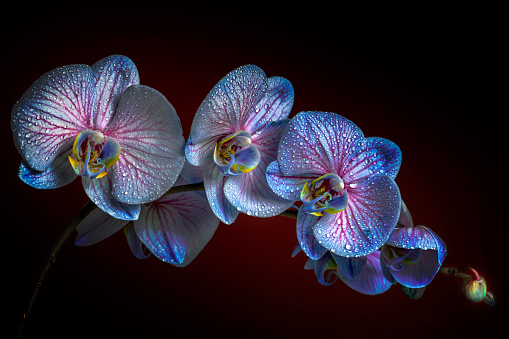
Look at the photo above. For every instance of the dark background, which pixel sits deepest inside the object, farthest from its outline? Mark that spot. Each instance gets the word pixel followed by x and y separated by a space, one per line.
pixel 429 79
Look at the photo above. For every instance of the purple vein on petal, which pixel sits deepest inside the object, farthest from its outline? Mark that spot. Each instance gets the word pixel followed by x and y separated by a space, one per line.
pixel 149 132
pixel 51 113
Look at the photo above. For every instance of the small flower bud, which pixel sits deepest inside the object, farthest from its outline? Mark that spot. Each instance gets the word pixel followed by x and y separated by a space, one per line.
pixel 474 289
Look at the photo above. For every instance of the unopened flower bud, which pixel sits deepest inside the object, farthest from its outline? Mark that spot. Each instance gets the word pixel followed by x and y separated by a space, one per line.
pixel 474 289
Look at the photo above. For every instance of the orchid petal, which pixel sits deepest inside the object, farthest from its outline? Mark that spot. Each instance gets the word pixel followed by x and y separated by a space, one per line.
pixel 250 193
pixel 51 113
pixel 275 105
pixel 228 105
pixel 149 132
pixel 268 136
pixel 135 244
pixel 432 254
pixel 58 174
pixel 100 192
pixel 366 223
pixel 350 267
pixel 307 240
pixel 372 156
pixel 195 153
pixel 214 183
pixel 371 280
pixel 287 187
pixel 112 75
pixel 96 227
pixel 198 220
pixel 161 228
pixel 316 142
pixel 189 175
pixel 418 237
pixel 267 140
pixel 415 275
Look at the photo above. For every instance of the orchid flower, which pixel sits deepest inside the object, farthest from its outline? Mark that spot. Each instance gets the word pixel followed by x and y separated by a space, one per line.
pixel 350 201
pixel 124 139
pixel 234 135
pixel 412 255
pixel 175 228
pixel 362 274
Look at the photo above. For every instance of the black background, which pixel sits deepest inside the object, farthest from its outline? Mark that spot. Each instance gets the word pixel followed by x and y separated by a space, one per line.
pixel 429 79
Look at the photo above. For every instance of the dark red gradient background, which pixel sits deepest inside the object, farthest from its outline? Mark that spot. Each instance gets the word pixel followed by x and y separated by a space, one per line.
pixel 432 83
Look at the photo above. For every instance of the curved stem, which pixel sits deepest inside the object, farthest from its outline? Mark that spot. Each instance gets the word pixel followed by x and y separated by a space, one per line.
pixel 458 272
pixel 200 187
pixel 186 188
pixel 289 214
pixel 89 207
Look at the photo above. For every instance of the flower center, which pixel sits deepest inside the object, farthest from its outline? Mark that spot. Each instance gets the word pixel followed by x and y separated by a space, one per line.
pixel 92 153
pixel 235 154
pixel 324 194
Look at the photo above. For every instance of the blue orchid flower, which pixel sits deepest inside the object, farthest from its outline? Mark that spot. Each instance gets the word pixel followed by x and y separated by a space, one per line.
pixel 124 139
pixel 234 135
pixel 350 201
pixel 175 228
pixel 362 274
pixel 366 274
pixel 412 255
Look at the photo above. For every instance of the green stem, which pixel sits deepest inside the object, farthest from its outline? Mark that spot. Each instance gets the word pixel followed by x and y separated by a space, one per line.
pixel 89 207
pixel 200 187
pixel 289 214
pixel 186 188
pixel 458 272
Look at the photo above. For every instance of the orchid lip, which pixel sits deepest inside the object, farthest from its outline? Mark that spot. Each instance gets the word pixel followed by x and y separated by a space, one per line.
pixel 396 257
pixel 92 153
pixel 324 194
pixel 235 154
